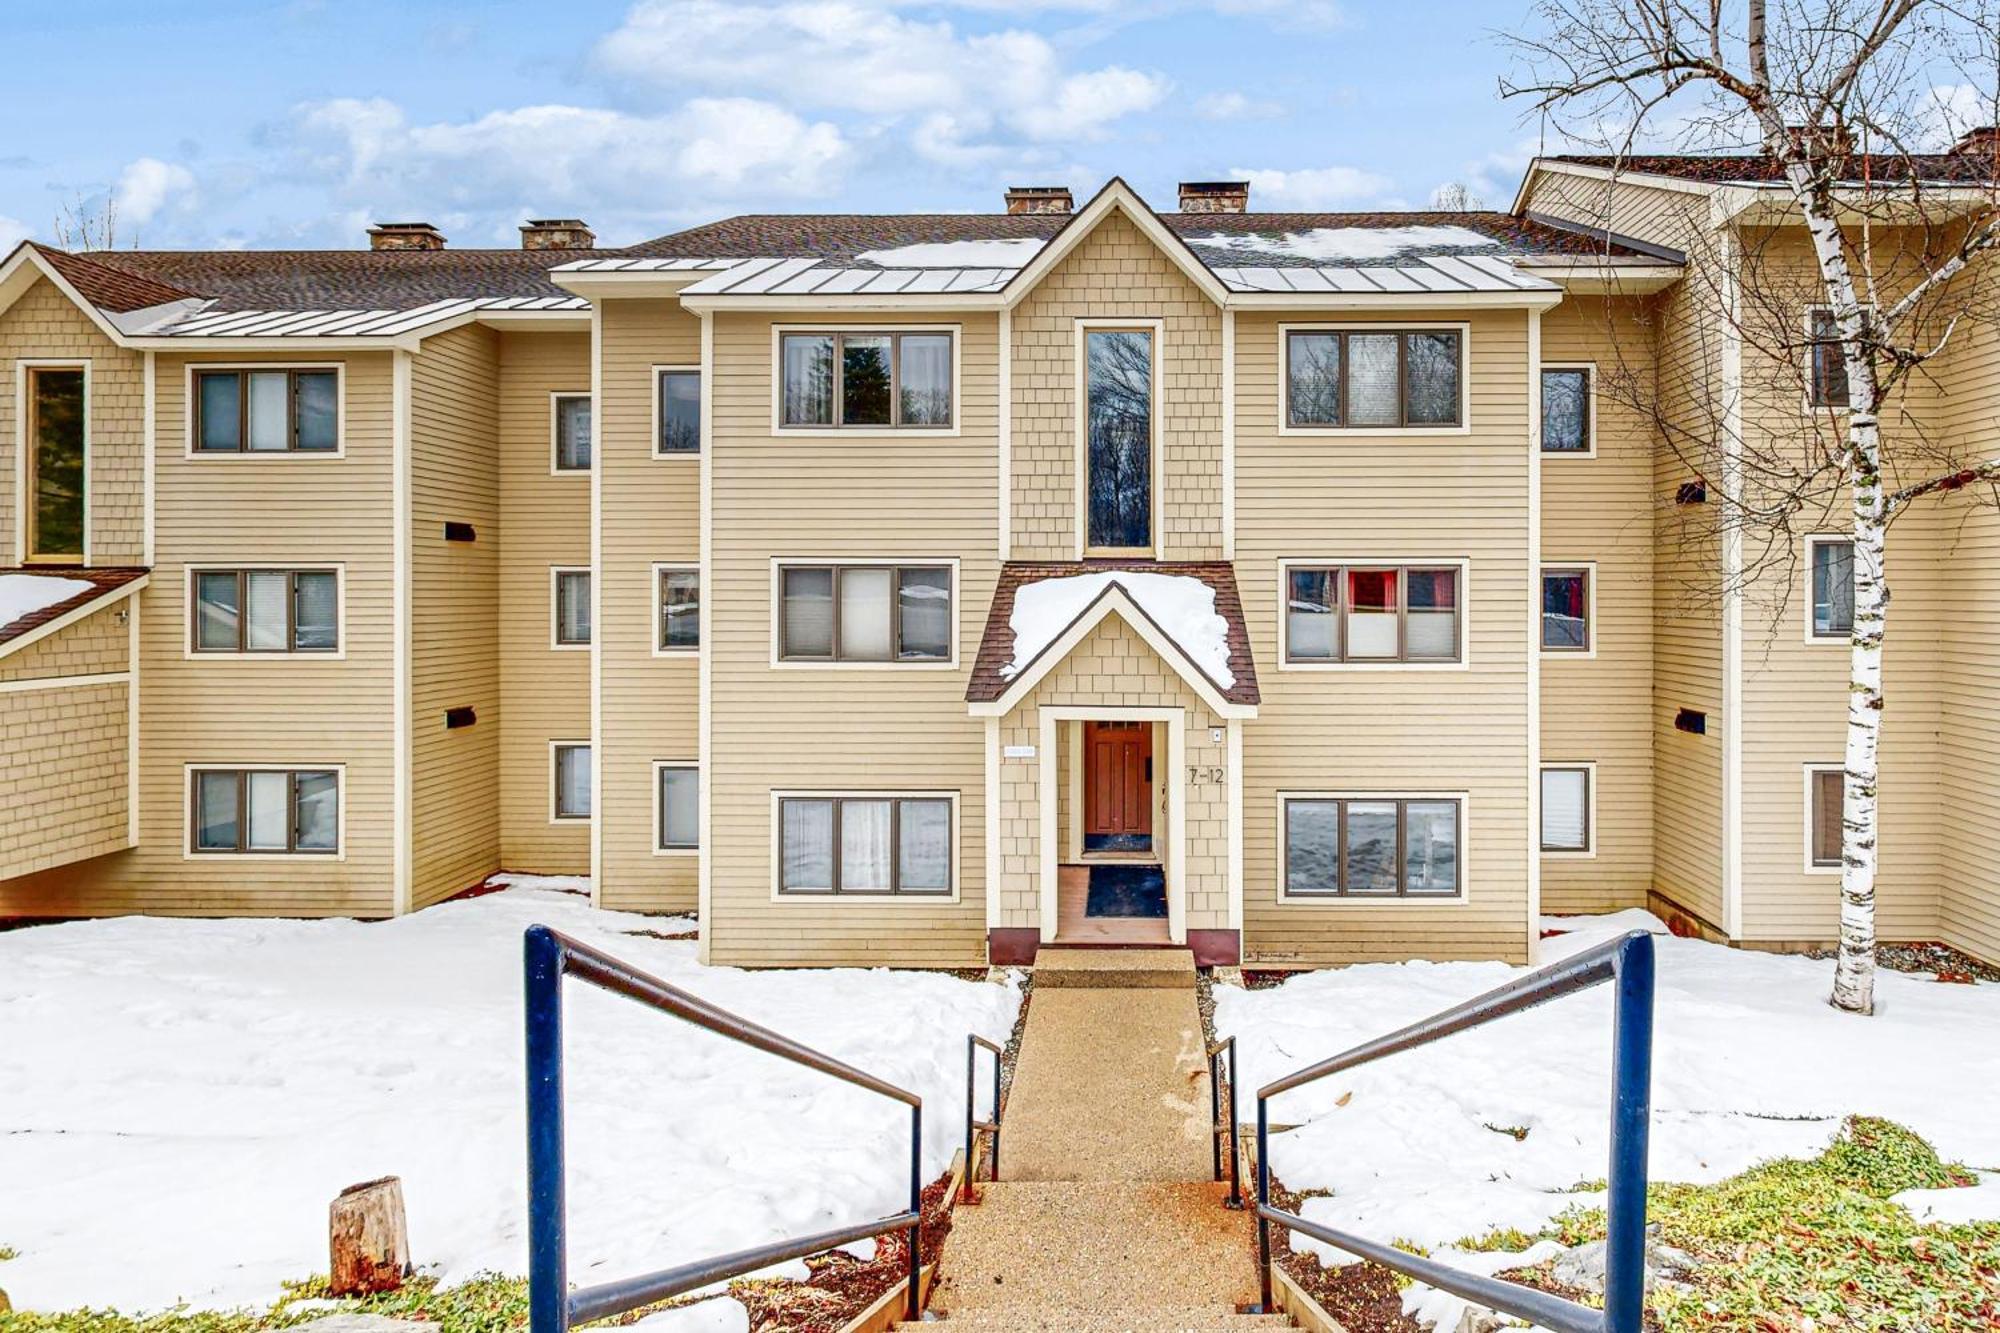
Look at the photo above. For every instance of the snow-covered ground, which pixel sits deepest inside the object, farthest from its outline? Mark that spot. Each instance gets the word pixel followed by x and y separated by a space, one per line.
pixel 180 1100
pixel 1749 1063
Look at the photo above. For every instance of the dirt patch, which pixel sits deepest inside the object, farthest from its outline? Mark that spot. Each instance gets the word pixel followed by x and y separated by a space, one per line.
pixel 1363 1297
pixel 1940 960
pixel 842 1286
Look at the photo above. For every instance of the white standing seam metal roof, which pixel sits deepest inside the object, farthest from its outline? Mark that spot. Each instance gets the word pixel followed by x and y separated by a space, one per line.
pixel 1444 274
pixel 205 323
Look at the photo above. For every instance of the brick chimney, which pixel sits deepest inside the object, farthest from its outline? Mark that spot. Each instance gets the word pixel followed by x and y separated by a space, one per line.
pixel 1980 140
pixel 1823 141
pixel 557 234
pixel 1215 196
pixel 1039 199
pixel 405 236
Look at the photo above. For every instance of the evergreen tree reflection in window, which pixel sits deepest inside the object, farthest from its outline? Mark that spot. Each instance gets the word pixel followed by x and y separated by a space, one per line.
pixel 1119 421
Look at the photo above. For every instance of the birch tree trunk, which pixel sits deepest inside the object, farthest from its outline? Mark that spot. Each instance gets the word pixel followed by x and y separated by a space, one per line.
pixel 1854 972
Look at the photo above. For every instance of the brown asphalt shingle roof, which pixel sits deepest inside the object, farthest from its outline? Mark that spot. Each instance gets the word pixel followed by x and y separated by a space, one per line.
pixel 103 582
pixel 107 286
pixel 1725 168
pixel 996 646
pixel 342 279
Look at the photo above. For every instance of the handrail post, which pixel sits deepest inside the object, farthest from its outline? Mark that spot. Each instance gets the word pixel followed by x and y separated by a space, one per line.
pixel 965 1191
pixel 548 1279
pixel 1631 1101
pixel 1263 1203
pixel 1214 1116
pixel 913 1301
pixel 1235 1157
pixel 993 1172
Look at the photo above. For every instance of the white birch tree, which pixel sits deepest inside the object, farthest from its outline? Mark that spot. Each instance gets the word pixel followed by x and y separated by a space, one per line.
pixel 1844 99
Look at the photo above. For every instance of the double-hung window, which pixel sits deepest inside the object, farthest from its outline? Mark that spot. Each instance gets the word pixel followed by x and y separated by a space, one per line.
pixel 570 422
pixel 571 612
pixel 865 613
pixel 679 413
pixel 873 380
pixel 865 844
pixel 1566 805
pixel 680 610
pixel 679 824
pixel 1566 423
pixel 266 611
pixel 1371 847
pixel 1832 588
pixel 1566 610
pixel 1369 613
pixel 275 811
pixel 271 411
pixel 570 761
pixel 58 412
pixel 1364 379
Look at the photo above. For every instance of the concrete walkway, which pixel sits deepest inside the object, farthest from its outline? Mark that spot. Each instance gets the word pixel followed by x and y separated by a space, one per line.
pixel 1106 1218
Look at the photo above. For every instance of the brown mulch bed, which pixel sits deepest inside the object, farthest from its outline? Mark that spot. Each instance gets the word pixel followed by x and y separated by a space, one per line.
pixel 1941 960
pixel 1363 1297
pixel 842 1286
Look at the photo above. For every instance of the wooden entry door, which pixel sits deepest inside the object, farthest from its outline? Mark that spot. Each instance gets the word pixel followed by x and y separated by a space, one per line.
pixel 1118 780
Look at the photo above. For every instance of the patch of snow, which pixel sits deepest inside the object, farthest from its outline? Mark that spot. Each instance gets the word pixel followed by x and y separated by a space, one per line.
pixel 1442 1310
pixel 1182 605
pixel 189 1095
pixel 1346 244
pixel 724 1315
pixel 1568 935
pixel 25 594
pixel 956 254
pixel 1750 1062
pixel 1973 1203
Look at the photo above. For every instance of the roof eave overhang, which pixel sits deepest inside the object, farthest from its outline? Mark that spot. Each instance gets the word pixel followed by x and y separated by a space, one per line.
pixel 90 608
pixel 18 273
pixel 1675 183
pixel 1595 277
pixel 602 284
pixel 1772 204
pixel 976 301
pixel 1114 600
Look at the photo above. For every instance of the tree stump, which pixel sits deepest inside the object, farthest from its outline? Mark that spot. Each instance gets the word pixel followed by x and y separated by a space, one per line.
pixel 368 1238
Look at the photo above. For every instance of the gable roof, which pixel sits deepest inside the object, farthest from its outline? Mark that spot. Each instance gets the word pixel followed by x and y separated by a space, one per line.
pixel 991 683
pixel 100 584
pixel 108 286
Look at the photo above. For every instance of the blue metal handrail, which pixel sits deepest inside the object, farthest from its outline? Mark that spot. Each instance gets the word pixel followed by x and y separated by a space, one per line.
pixel 974 1043
pixel 552 1306
pixel 1628 963
pixel 1222 1132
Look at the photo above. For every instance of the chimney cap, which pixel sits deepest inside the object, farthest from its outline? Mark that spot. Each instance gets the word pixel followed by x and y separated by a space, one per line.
pixel 1215 196
pixel 557 234
pixel 405 236
pixel 1978 139
pixel 1040 199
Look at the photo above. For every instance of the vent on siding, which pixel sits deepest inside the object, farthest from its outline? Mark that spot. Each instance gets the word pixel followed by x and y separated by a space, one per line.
pixel 1691 721
pixel 459 532
pixel 1692 493
pixel 455 718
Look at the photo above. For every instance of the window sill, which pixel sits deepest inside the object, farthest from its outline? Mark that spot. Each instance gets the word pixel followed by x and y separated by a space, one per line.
pixel 231 857
pixel 1548 855
pixel 1375 666
pixel 267 454
pixel 290 655
pixel 1376 432
pixel 1568 453
pixel 809 898
pixel 870 433
pixel 1459 899
pixel 786 664
pixel 683 654
pixel 1569 654
pixel 677 851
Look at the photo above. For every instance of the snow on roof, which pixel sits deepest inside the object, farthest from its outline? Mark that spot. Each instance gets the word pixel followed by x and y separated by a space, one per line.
pixel 1346 244
pixel 957 254
pixel 24 594
pixel 1182 605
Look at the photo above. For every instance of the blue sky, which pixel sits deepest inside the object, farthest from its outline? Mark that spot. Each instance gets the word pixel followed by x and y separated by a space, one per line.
pixel 296 122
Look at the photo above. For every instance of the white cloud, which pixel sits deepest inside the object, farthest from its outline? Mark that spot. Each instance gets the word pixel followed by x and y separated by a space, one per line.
pixel 12 233
pixel 1943 117
pixel 567 157
pixel 967 92
pixel 1319 15
pixel 1236 106
pixel 1314 187
pixel 149 185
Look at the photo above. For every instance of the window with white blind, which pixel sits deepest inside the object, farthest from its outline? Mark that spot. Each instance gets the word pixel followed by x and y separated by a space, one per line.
pixel 1372 614
pixel 264 811
pixel 679 800
pixel 865 843
pixel 264 611
pixel 1566 808
pixel 866 614
pixel 569 764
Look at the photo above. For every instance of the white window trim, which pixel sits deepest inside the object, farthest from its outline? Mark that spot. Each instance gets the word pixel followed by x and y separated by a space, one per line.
pixel 1080 458
pixel 1552 565
pixel 1589 850
pixel 653 450
pixel 1806 397
pixel 659 612
pixel 1806 812
pixel 339 771
pixel 555 609
pixel 190 653
pixel 556 469
pixel 1462 564
pixel 660 811
pixel 778 895
pixel 1464 330
pixel 778 564
pixel 1815 540
pixel 1589 449
pixel 572 820
pixel 1460 899
pixel 904 433
pixel 22 500
pixel 339 450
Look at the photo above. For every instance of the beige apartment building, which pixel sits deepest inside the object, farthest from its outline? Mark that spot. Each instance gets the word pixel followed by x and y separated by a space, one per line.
pixel 924 589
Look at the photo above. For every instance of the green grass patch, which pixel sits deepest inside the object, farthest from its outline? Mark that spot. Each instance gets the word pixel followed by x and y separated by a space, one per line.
pixel 8 1252
pixel 1791 1240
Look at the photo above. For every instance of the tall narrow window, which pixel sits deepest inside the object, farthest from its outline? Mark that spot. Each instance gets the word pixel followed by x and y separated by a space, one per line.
pixel 572 609
pixel 1826 794
pixel 1566 410
pixel 573 432
pixel 572 781
pixel 1565 809
pixel 1828 361
pixel 680 807
pixel 1566 610
pixel 680 610
pixel 57 423
pixel 680 412
pixel 266 411
pixel 1118 422
pixel 1832 588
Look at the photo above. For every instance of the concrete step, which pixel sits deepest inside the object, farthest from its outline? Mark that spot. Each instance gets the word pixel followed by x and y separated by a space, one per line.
pixel 1118 969
pixel 1096 1247
pixel 1140 1319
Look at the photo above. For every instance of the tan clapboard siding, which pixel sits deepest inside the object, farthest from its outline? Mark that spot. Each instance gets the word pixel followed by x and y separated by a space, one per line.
pixel 650 511
pixel 1116 273
pixel 1600 510
pixel 302 711
pixel 1458 496
pixel 454 613
pixel 44 324
pixel 844 729
pixel 1687 627
pixel 65 753
pixel 544 521
pixel 1627 206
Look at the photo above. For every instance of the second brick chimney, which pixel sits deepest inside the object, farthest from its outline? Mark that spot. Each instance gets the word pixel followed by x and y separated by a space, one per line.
pixel 1039 199
pixel 405 236
pixel 1979 141
pixel 556 234
pixel 1215 196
